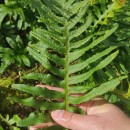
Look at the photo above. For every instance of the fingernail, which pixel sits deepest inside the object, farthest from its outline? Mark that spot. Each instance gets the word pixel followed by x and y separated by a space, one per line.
pixel 58 114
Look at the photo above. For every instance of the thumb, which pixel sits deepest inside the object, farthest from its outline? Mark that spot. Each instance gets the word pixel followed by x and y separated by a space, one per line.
pixel 74 121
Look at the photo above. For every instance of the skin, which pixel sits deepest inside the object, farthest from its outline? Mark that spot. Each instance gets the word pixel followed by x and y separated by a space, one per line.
pixel 100 115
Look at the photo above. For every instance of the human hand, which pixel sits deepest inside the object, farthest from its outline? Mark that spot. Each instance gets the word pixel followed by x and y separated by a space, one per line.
pixel 100 116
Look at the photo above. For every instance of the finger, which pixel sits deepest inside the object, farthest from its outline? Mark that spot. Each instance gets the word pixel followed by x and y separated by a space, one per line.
pixel 89 106
pixel 51 88
pixel 57 89
pixel 43 125
pixel 73 121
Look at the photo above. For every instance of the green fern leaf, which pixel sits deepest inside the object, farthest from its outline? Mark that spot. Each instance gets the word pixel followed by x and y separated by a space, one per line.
pixel 102 89
pixel 81 77
pixel 40 92
pixel 38 104
pixel 10 7
pixel 32 119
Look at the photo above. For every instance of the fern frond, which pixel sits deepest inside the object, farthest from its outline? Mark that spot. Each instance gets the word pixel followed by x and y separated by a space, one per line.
pixel 70 46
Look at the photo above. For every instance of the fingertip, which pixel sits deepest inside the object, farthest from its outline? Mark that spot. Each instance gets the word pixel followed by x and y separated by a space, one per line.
pixel 57 114
pixel 68 119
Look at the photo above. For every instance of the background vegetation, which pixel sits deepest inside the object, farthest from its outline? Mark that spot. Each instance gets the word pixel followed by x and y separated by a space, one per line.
pixel 19 65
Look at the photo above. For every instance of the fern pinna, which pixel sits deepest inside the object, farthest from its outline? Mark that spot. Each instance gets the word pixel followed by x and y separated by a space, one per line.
pixel 70 46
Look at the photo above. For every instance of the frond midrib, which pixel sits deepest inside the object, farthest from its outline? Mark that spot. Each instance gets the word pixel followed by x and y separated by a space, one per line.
pixel 67 66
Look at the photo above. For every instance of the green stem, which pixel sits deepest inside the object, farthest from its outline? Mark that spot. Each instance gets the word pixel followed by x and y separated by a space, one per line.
pixel 66 68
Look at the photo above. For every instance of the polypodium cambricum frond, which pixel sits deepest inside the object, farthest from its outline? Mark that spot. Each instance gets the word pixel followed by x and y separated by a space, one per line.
pixel 67 48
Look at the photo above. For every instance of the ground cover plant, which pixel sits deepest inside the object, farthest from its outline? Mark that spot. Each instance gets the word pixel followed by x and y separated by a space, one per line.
pixel 73 41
